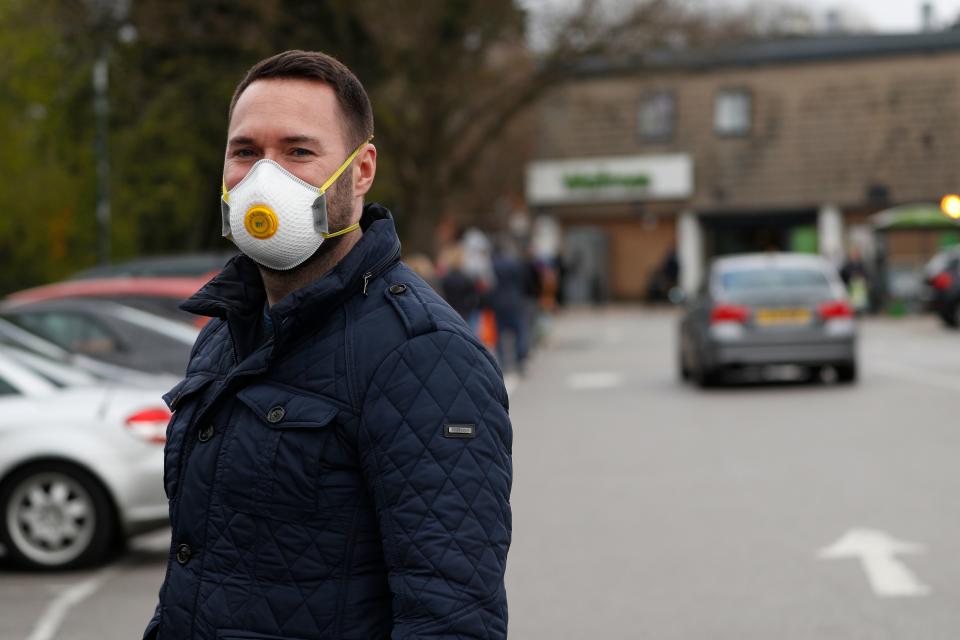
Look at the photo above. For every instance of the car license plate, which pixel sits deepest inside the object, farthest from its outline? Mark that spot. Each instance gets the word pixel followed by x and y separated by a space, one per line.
pixel 778 317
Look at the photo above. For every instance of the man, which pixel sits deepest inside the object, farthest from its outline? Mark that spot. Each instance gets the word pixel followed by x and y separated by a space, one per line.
pixel 338 460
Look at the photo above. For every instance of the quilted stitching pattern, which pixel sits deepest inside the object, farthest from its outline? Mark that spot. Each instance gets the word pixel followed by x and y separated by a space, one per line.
pixel 444 501
pixel 367 525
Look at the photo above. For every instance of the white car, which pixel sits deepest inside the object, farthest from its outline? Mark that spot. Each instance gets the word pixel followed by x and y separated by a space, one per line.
pixel 81 462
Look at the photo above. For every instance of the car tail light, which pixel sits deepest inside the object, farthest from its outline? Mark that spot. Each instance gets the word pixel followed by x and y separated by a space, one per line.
pixel 729 313
pixel 836 310
pixel 942 281
pixel 150 425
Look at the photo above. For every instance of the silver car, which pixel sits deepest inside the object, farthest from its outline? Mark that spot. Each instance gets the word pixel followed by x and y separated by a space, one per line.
pixel 81 462
pixel 768 309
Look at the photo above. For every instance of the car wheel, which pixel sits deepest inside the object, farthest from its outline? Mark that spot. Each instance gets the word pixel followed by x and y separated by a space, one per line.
pixel 950 314
pixel 55 516
pixel 707 378
pixel 846 373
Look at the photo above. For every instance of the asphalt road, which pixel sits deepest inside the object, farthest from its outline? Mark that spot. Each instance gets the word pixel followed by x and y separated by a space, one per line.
pixel 644 508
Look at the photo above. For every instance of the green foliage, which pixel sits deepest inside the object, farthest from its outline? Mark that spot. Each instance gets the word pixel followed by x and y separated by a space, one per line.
pixel 44 159
pixel 431 73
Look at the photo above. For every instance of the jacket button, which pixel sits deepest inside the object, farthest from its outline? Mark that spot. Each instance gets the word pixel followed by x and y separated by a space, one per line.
pixel 397 289
pixel 205 434
pixel 184 553
pixel 276 415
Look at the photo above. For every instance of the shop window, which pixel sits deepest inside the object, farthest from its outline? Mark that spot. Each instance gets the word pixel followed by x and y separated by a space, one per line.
pixel 733 112
pixel 656 116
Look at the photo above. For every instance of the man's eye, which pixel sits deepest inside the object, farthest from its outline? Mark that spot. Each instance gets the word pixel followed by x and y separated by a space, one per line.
pixel 301 153
pixel 243 153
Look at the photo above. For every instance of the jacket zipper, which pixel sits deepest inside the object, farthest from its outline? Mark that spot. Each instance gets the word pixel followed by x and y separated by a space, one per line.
pixel 379 268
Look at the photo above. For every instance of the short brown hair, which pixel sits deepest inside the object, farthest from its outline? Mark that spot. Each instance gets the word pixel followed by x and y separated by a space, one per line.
pixel 314 65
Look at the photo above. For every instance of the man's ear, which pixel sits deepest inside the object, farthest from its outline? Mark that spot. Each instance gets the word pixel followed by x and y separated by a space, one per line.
pixel 366 170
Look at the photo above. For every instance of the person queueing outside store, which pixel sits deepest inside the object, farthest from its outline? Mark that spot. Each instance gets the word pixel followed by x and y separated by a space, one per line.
pixel 338 463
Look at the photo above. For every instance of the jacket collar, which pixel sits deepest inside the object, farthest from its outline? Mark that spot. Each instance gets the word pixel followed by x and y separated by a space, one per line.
pixel 237 293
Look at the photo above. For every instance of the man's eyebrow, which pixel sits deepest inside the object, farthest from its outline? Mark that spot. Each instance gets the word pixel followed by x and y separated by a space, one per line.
pixel 296 139
pixel 301 139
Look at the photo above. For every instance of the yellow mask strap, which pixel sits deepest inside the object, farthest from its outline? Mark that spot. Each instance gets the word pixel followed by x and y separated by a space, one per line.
pixel 352 227
pixel 343 167
pixel 223 185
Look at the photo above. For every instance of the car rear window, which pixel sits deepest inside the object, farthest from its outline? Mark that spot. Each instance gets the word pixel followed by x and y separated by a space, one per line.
pixel 773 278
pixel 943 261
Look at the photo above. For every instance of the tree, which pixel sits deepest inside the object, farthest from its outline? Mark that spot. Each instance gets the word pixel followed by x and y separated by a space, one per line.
pixel 452 83
pixel 44 164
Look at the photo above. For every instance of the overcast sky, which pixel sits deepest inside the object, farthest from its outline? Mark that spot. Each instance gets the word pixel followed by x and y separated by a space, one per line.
pixel 892 15
pixel 880 15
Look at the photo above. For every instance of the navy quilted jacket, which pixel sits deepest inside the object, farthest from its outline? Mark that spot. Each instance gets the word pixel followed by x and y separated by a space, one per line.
pixel 340 471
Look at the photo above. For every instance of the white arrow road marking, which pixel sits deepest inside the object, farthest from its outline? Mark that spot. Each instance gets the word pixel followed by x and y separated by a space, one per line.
pixel 55 613
pixel 594 380
pixel 876 550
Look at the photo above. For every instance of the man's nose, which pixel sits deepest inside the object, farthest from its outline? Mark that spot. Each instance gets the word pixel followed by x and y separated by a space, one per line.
pixel 273 154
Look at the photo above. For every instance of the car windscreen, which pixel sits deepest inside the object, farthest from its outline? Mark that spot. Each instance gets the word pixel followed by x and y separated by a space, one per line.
pixel 943 261
pixel 756 279
pixel 56 373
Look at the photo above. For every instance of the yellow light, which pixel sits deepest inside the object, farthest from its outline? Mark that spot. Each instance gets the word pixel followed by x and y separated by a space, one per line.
pixel 951 205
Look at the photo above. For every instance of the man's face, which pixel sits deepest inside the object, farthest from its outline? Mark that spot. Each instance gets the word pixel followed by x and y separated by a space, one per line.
pixel 299 125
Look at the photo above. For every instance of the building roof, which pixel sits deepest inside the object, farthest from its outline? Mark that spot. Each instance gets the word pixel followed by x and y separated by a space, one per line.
pixel 780 51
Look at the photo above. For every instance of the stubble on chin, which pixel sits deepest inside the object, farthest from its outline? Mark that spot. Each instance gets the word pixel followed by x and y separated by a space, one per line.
pixel 279 283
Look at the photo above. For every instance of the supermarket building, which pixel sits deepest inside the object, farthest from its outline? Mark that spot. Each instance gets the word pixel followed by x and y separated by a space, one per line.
pixel 789 145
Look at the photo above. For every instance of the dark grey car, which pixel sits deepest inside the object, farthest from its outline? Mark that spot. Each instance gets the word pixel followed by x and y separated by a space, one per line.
pixel 111 333
pixel 768 309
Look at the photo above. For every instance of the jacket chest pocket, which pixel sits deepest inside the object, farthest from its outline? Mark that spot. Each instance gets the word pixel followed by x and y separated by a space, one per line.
pixel 184 400
pixel 273 460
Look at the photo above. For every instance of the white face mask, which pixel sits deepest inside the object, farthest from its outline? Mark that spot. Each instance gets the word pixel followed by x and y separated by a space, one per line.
pixel 276 218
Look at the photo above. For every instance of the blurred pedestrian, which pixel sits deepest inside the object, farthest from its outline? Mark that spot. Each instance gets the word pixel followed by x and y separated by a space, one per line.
pixel 338 461
pixel 857 279
pixel 459 290
pixel 533 296
pixel 508 300
pixel 664 278
pixel 422 265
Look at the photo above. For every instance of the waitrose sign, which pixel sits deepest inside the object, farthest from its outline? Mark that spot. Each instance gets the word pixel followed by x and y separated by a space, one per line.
pixel 610 179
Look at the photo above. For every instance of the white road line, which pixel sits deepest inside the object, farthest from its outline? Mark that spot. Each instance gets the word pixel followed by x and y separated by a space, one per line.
pixel 916 374
pixel 594 380
pixel 56 611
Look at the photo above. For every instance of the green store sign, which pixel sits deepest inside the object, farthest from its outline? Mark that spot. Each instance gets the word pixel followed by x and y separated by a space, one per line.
pixel 605 180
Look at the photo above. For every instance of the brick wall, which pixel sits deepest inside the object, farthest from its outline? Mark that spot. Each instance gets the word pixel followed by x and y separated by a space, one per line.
pixel 822 131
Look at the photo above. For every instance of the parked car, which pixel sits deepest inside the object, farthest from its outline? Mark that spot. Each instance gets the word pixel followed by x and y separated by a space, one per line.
pixel 109 332
pixel 768 309
pixel 161 296
pixel 13 336
pixel 81 462
pixel 942 286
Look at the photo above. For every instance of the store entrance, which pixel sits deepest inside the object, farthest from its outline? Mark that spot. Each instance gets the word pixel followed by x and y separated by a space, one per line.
pixel 750 233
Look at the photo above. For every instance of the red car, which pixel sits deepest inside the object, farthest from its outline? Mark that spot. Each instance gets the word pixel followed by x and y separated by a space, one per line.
pixel 156 295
